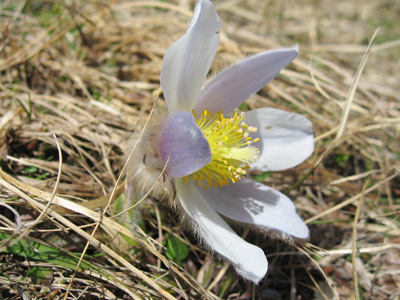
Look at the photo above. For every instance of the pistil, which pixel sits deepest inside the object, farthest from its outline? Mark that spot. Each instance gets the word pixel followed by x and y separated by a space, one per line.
pixel 231 148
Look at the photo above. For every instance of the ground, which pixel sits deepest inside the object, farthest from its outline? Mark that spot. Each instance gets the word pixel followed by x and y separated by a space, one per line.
pixel 78 78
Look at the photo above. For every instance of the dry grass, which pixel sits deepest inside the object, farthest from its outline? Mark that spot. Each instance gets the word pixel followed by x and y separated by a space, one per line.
pixel 78 77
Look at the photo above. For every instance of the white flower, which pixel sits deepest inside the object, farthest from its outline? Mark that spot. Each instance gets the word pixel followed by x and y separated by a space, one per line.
pixel 208 154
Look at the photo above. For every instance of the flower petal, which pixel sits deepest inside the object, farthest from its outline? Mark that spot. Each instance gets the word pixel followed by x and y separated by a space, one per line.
pixel 237 83
pixel 187 62
pixel 183 143
pixel 286 139
pixel 249 260
pixel 251 202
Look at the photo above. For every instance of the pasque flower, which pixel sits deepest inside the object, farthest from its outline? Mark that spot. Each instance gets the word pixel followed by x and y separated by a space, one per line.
pixel 208 149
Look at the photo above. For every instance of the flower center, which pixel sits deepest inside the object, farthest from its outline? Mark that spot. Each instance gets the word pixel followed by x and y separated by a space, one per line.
pixel 230 144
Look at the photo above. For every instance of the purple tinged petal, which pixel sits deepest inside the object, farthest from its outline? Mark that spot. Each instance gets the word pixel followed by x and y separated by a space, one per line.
pixel 286 139
pixel 248 260
pixel 251 202
pixel 187 62
pixel 237 83
pixel 183 143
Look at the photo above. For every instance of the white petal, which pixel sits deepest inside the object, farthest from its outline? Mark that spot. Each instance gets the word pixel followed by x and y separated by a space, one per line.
pixel 237 83
pixel 251 202
pixel 183 145
pixel 187 62
pixel 249 260
pixel 286 139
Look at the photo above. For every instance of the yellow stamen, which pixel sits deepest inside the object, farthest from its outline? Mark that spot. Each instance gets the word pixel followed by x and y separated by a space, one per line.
pixel 230 145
